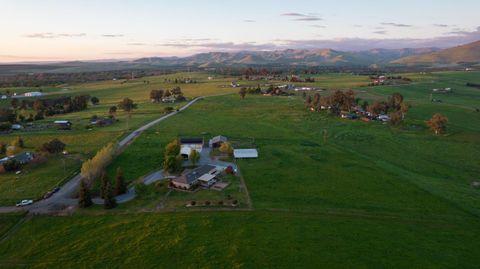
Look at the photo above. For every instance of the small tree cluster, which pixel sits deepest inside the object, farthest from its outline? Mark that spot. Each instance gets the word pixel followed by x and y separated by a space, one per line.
pixel 53 147
pixel 172 159
pixel 84 196
pixel 438 123
pixel 227 148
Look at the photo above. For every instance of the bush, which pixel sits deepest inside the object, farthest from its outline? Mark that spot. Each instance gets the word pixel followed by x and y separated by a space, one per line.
pixel 207 202
pixel 12 165
pixel 220 202
pixel 5 126
pixel 192 203
pixel 234 202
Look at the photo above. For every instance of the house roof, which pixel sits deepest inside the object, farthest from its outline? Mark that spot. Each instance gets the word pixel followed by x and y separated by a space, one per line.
pixel 189 177
pixel 62 122
pixel 218 138
pixel 245 153
pixel 191 140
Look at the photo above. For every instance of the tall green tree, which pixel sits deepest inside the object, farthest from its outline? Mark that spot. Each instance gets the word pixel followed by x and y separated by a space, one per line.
pixel 120 186
pixel 109 201
pixel 194 156
pixel 104 182
pixel 84 197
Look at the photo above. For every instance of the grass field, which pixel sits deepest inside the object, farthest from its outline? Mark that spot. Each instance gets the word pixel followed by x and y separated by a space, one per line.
pixel 326 192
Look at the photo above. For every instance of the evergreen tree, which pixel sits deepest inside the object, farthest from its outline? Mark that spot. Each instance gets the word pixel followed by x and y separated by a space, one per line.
pixel 109 201
pixel 104 185
pixel 84 197
pixel 120 187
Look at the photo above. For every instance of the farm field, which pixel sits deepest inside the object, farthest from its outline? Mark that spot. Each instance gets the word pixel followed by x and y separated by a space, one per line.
pixel 326 192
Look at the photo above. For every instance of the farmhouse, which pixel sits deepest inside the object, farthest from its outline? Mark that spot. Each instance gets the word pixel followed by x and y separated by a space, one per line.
pixel 33 94
pixel 63 124
pixel 22 158
pixel 189 144
pixel 217 141
pixel 203 176
pixel 245 153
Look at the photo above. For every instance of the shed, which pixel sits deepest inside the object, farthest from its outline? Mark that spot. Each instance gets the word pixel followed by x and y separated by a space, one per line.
pixel 245 153
pixel 217 141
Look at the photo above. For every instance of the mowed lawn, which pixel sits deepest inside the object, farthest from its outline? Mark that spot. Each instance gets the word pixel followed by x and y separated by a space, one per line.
pixel 327 193
pixel 260 239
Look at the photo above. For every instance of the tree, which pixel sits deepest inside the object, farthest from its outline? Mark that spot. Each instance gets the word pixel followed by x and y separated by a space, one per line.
pixel 18 142
pixel 395 101
pixel 225 147
pixel 395 117
pixel 104 185
pixel 54 146
pixel 242 92
pixel 109 201
pixel 438 123
pixel 127 105
pixel 172 163
pixel 403 109
pixel 112 110
pixel 194 156
pixel 84 197
pixel 94 100
pixel 14 103
pixel 308 102
pixel 167 93
pixel 376 108
pixel 120 187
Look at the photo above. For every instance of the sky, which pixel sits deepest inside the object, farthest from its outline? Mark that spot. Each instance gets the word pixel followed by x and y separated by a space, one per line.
pixel 60 30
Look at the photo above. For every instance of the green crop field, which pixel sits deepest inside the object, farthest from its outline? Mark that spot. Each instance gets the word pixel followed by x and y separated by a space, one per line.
pixel 326 192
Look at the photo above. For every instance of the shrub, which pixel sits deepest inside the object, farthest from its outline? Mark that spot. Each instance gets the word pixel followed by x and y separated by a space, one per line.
pixel 192 203
pixel 12 165
pixel 220 202
pixel 5 126
pixel 234 202
pixel 207 202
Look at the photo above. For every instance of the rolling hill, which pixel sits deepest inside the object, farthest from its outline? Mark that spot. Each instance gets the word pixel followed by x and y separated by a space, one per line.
pixel 469 53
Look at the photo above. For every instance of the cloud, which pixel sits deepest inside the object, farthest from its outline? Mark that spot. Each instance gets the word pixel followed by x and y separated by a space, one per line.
pixel 294 14
pixel 220 46
pixel 112 35
pixel 137 44
pixel 49 35
pixel 308 19
pixel 381 32
pixel 318 26
pixel 441 25
pixel 396 24
pixel 249 21
pixel 302 17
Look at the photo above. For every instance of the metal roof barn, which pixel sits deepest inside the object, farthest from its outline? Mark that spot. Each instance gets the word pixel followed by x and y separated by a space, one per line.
pixel 245 153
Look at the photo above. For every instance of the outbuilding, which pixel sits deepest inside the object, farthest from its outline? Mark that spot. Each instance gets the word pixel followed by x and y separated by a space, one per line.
pixel 217 141
pixel 189 144
pixel 245 153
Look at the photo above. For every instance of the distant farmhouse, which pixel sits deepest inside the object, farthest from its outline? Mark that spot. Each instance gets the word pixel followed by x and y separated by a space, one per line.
pixel 22 158
pixel 33 94
pixel 63 124
pixel 189 144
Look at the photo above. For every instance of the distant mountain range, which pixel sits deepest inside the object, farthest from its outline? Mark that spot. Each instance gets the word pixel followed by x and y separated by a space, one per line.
pixel 289 57
pixel 469 53
pixel 466 54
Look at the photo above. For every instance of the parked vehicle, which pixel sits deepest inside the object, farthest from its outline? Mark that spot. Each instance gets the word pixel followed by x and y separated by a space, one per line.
pixel 24 203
